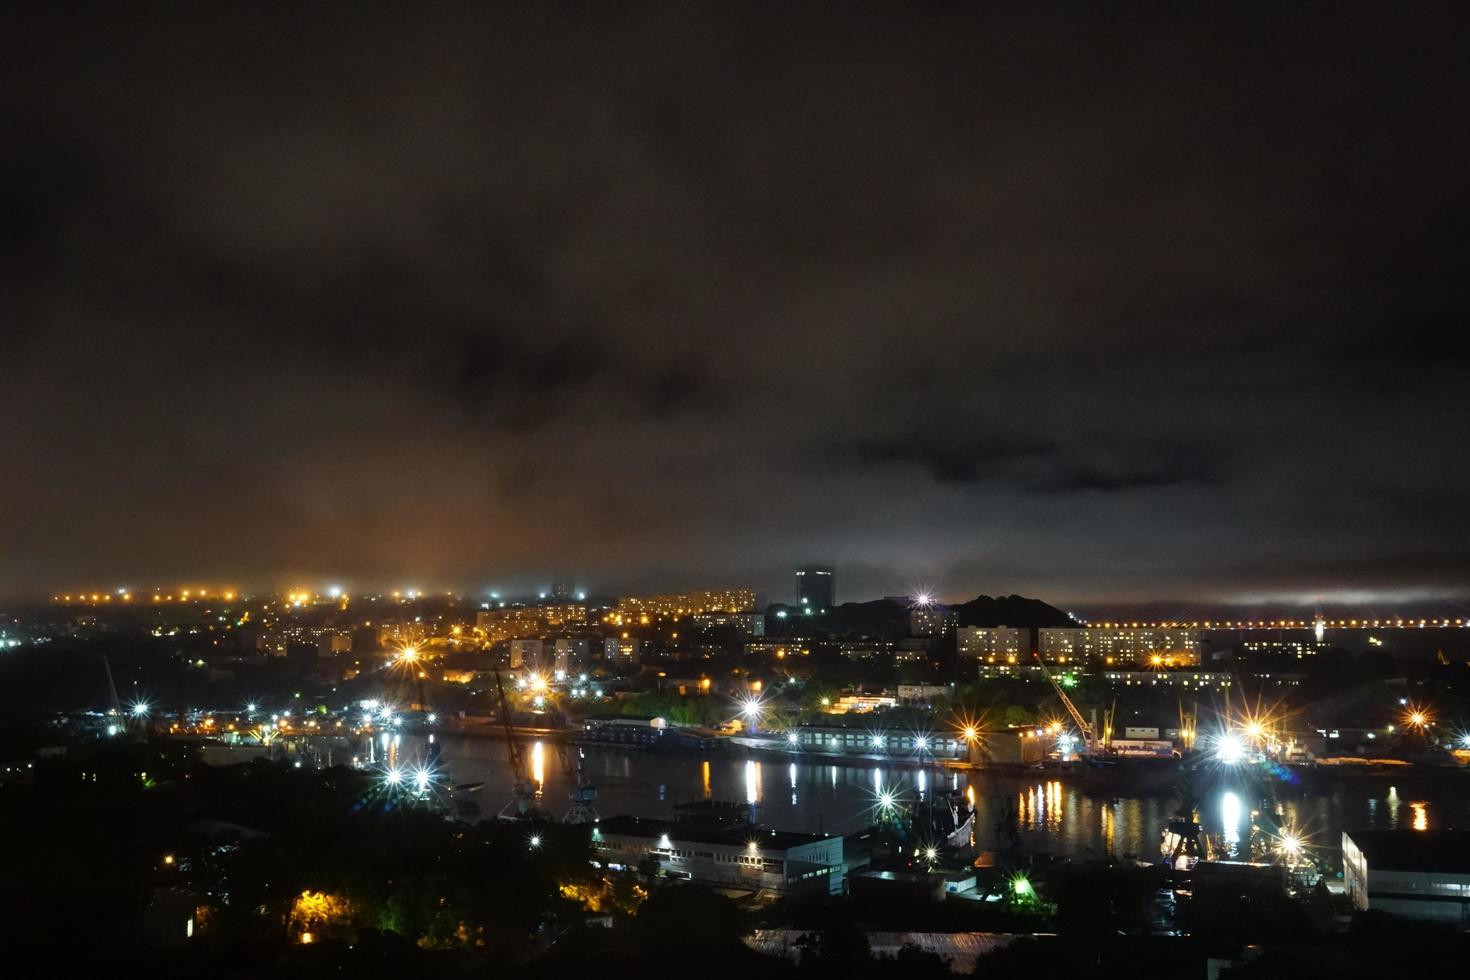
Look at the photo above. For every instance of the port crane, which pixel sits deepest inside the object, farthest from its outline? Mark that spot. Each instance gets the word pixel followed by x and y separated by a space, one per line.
pixel 583 807
pixel 1089 737
pixel 523 799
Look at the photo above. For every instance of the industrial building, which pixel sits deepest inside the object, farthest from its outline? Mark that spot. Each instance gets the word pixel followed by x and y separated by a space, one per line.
pixel 1417 874
pixel 736 855
pixel 869 742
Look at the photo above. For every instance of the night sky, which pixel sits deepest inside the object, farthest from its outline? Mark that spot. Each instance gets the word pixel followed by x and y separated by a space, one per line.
pixel 1094 305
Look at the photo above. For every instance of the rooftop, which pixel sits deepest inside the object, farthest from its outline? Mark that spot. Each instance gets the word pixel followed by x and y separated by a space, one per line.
pixel 1446 851
pixel 691 833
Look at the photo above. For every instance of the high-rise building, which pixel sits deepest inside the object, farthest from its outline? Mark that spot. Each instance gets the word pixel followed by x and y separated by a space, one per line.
pixel 994 644
pixel 525 653
pixel 677 605
pixel 571 654
pixel 1120 647
pixel 816 586
pixel 515 622
pixel 748 624
pixel 932 620
pixel 621 650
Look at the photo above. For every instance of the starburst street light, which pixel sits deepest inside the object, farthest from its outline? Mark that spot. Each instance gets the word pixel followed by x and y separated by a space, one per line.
pixel 1289 846
pixel 140 709
pixel 1229 749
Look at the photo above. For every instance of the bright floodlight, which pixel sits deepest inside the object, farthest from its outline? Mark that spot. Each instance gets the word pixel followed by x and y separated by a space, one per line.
pixel 792 738
pixel 1254 729
pixel 410 654
pixel 250 707
pixel 393 777
pixel 923 599
pixel 432 718
pixel 750 709
pixel 1290 845
pixel 930 853
pixel 335 591
pixel 922 742
pixel 887 799
pixel 1229 749
pixel 877 741
pixel 421 779
pixel 970 733
pixel 140 709
pixel 535 840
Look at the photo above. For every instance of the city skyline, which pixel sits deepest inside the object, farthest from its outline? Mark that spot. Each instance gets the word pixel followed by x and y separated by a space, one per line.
pixel 1105 307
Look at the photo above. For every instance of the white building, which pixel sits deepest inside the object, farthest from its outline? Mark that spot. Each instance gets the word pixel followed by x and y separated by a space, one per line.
pixel 1417 874
pixel 739 856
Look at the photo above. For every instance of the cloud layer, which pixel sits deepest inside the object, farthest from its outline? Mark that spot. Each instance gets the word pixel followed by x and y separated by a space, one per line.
pixel 1079 303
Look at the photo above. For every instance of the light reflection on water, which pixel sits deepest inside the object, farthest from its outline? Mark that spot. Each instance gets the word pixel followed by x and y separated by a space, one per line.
pixel 1061 816
pixel 1230 819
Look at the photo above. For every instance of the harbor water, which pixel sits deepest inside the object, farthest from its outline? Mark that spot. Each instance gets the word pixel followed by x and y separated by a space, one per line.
pixel 1064 816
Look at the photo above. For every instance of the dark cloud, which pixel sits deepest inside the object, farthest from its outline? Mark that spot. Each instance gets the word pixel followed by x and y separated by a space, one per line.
pixel 1081 302
pixel 950 458
pixel 1116 480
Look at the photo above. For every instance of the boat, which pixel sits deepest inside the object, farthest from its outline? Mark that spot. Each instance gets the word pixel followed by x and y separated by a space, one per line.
pixel 947 819
pixel 1180 842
